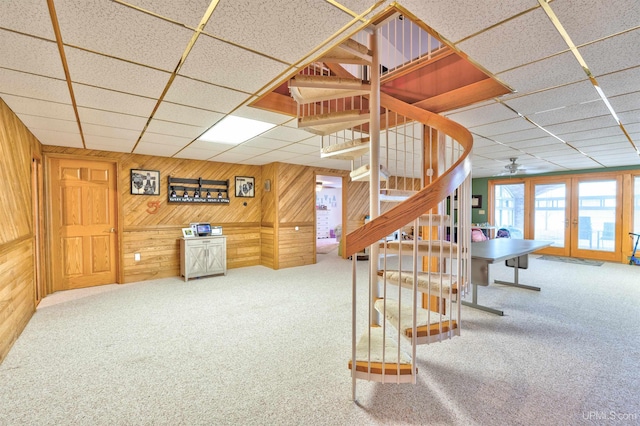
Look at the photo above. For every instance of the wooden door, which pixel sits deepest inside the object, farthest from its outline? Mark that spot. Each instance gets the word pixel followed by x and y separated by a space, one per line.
pixel 83 218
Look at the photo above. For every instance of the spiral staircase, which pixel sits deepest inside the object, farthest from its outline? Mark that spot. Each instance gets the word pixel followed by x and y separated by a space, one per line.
pixel 417 167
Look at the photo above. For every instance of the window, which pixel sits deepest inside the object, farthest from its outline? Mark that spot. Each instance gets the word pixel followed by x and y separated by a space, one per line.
pixel 509 208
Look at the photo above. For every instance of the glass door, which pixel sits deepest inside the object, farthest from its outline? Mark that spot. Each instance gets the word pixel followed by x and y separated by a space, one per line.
pixel 595 229
pixel 551 216
pixel 509 209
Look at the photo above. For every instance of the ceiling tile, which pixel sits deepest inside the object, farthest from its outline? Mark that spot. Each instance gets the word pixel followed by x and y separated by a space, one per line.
pixel 572 113
pixel 589 20
pixel 27 16
pixel 165 139
pixel 593 134
pixel 104 143
pixel 551 99
pixel 523 135
pixel 267 143
pixel 171 112
pixel 108 100
pixel 287 134
pixel 39 108
pixel 623 103
pixel 482 115
pixel 605 56
pixel 36 122
pixel 35 55
pixel 230 157
pixel 520 42
pixel 620 82
pixel 278 155
pixel 33 86
pixel 308 22
pixel 469 18
pixel 263 115
pixel 202 95
pixel 116 30
pixel 148 148
pixel 248 150
pixel 608 148
pixel 187 12
pixel 218 63
pixel 175 129
pixel 561 129
pixel 51 137
pixel 301 149
pixel 524 144
pixel 500 127
pixel 110 132
pixel 210 146
pixel 114 74
pixel 111 119
pixel 193 153
pixel 536 76
pixel 548 150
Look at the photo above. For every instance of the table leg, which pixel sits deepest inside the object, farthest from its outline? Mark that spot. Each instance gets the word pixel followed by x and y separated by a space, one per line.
pixel 515 282
pixel 475 304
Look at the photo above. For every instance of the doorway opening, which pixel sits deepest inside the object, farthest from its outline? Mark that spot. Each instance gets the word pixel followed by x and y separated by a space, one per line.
pixel 328 214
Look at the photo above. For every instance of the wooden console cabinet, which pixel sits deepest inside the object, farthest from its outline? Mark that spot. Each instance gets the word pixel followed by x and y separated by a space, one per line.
pixel 201 256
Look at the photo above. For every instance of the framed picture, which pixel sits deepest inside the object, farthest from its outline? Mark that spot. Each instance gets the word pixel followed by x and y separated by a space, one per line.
pixel 476 201
pixel 245 186
pixel 145 182
pixel 187 232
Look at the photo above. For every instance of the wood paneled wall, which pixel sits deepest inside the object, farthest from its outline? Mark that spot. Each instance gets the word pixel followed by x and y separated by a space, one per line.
pixel 17 287
pixel 151 226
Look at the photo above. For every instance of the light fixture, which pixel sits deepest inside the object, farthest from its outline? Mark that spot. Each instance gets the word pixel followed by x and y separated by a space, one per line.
pixel 186 194
pixel 173 193
pixel 235 130
pixel 208 194
pixel 318 186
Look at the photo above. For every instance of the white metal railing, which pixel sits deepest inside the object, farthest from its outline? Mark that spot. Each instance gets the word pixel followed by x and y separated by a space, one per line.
pixel 402 42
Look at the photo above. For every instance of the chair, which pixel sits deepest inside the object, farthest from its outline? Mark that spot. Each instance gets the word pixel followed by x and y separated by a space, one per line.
pixel 608 233
pixel 584 229
pixel 503 233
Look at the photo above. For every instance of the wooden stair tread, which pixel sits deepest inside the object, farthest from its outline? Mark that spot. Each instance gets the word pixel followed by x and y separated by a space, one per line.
pixel 306 88
pixel 372 362
pixel 325 124
pixel 425 247
pixel 363 173
pixel 428 282
pixel 428 324
pixel 395 195
pixel 348 52
pixel 348 150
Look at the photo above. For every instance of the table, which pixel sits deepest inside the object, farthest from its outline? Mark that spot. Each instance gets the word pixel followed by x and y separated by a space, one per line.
pixel 487 252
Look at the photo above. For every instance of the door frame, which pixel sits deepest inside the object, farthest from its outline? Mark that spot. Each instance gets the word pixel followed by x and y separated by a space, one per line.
pixel 49 240
pixel 37 202
pixel 343 207
pixel 624 208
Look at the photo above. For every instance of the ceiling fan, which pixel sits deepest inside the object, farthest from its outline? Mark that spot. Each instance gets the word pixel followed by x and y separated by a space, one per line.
pixel 513 167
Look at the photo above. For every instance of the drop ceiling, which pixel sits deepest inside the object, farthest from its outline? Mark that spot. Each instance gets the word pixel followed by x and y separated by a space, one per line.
pixel 150 76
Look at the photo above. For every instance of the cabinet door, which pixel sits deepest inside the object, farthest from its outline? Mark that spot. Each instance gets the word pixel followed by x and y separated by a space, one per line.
pixel 215 258
pixel 197 260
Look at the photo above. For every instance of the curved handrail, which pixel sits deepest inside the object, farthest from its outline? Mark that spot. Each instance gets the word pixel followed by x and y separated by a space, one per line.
pixel 429 196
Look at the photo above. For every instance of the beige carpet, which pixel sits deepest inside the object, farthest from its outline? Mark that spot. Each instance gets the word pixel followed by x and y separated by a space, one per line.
pixel 265 347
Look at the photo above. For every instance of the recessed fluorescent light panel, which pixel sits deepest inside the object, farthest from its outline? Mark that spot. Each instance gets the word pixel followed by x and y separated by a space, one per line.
pixel 234 130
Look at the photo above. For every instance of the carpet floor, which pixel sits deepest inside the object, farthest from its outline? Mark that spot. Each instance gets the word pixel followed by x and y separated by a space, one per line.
pixel 265 347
